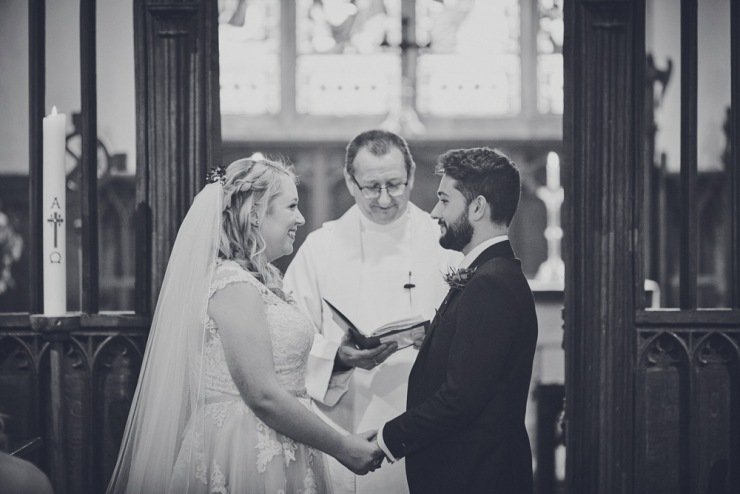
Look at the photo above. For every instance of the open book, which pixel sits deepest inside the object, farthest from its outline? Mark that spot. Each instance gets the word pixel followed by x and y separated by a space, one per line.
pixel 403 331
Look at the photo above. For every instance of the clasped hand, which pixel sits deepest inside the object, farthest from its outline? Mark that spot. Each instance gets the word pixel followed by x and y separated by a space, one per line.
pixel 361 453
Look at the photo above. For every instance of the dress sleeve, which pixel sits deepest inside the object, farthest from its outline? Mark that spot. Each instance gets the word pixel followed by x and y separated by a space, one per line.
pixel 229 272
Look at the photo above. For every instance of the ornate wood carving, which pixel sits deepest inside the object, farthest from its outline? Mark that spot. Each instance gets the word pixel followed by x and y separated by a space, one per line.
pixel 77 415
pixel 176 54
pixel 117 361
pixel 73 389
pixel 662 417
pixel 715 418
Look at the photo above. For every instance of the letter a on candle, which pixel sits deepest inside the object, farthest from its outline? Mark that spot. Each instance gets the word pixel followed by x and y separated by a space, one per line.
pixel 54 215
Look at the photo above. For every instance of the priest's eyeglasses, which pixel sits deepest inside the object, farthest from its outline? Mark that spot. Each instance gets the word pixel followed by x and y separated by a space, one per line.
pixel 373 192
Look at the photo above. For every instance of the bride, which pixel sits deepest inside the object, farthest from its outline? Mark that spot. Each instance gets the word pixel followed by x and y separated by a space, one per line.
pixel 221 404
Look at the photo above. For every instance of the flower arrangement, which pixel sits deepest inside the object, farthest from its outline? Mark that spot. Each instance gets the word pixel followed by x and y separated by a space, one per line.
pixel 11 246
pixel 457 278
pixel 217 174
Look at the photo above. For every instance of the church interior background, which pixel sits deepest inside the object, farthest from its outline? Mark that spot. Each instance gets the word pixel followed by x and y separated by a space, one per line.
pixel 298 79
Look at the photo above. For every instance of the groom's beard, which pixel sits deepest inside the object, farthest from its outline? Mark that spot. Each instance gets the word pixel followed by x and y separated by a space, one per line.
pixel 458 234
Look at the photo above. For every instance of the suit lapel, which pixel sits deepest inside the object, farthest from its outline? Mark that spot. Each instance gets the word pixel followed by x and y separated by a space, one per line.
pixel 500 249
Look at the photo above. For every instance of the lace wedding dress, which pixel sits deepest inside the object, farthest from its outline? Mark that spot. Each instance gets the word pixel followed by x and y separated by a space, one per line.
pixel 228 449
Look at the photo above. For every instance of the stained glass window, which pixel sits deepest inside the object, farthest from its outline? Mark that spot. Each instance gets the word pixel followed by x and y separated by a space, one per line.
pixel 550 57
pixel 346 58
pixel 345 64
pixel 249 56
pixel 472 65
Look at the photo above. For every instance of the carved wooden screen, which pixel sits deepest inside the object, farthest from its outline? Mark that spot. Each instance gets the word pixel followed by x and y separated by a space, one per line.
pixel 69 380
pixel 652 396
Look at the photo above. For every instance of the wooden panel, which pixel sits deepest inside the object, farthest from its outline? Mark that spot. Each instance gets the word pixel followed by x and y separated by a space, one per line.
pixel 177 113
pixel 604 54
pixel 117 360
pixel 715 386
pixel 72 389
pixel 19 389
pixel 662 418
pixel 693 423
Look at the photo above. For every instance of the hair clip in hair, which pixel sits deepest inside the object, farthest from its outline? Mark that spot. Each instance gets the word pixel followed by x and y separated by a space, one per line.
pixel 217 174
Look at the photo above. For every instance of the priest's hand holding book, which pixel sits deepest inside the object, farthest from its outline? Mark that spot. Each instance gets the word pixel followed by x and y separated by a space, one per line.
pixel 349 355
pixel 366 350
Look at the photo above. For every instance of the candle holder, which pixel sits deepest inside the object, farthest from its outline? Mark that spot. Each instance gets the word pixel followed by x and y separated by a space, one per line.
pixel 55 328
pixel 404 119
pixel 551 273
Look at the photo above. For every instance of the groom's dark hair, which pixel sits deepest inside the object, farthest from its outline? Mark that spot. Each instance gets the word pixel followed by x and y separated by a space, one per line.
pixel 484 172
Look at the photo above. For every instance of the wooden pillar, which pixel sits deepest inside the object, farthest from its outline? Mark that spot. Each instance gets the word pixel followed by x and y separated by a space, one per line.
pixel 604 57
pixel 36 102
pixel 178 124
pixel 89 157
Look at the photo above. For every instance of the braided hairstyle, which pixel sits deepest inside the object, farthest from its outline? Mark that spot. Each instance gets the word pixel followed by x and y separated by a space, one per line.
pixel 249 187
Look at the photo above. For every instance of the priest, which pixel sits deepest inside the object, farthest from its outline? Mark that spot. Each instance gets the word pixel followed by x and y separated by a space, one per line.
pixel 378 263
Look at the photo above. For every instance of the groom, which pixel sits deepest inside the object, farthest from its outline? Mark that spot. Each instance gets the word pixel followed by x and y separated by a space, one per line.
pixel 463 430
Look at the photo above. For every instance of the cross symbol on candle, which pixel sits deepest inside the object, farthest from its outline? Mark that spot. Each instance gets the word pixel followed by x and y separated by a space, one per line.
pixel 56 219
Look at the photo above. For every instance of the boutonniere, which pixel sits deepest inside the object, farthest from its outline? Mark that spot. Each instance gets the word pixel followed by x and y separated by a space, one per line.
pixel 458 277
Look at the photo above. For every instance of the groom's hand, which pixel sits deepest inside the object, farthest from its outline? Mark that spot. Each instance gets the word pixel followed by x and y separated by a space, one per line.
pixel 350 356
pixel 378 456
pixel 361 453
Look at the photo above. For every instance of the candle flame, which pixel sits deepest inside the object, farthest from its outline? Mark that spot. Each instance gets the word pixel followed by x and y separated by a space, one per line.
pixel 54 110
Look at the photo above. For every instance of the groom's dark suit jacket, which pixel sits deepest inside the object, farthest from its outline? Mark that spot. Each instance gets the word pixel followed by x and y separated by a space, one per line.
pixel 464 428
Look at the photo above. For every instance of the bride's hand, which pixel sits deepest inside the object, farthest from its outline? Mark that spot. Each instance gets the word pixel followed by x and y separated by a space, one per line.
pixel 361 453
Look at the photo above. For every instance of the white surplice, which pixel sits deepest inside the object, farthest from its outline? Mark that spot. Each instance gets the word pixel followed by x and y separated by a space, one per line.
pixel 362 267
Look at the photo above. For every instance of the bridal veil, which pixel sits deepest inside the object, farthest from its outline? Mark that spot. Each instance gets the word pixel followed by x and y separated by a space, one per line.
pixel 169 387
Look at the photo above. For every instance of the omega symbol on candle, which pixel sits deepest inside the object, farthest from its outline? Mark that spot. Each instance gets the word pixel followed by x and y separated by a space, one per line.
pixel 55 258
pixel 55 219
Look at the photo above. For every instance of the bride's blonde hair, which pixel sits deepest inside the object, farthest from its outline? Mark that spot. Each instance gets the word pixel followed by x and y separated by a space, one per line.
pixel 249 187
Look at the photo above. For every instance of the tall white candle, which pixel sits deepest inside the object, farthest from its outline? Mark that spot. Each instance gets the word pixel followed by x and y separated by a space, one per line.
pixel 553 170
pixel 54 215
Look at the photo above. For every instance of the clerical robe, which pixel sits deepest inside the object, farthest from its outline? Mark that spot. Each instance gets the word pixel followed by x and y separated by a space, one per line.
pixel 374 274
